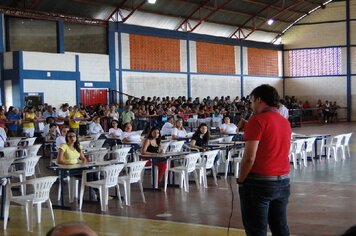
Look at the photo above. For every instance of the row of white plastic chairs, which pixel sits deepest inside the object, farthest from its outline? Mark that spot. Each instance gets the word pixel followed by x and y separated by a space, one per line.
pixel 16 141
pixel 213 122
pixel 192 162
pixel 42 186
pixel 302 148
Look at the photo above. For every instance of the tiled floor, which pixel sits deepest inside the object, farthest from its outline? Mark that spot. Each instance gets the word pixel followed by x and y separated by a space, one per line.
pixel 107 225
pixel 322 203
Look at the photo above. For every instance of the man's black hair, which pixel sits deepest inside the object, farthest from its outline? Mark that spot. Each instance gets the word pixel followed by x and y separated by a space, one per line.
pixel 351 231
pixel 266 93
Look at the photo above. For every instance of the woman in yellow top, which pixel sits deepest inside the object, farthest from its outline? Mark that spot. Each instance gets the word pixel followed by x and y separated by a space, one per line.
pixel 70 153
pixel 74 119
pixel 29 122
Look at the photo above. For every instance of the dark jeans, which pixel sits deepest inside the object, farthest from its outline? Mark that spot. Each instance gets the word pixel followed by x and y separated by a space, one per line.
pixel 264 202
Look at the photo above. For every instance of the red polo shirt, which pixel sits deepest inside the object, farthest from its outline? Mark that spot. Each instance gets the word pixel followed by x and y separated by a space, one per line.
pixel 273 132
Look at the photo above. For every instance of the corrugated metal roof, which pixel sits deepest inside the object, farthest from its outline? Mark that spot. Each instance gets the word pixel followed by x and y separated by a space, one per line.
pixel 228 18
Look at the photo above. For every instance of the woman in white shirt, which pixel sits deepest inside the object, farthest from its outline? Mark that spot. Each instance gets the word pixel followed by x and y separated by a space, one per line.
pixel 227 127
pixel 129 136
pixel 178 131
pixel 95 127
pixel 2 137
pixel 112 113
pixel 63 114
pixel 167 127
pixel 62 138
pixel 115 131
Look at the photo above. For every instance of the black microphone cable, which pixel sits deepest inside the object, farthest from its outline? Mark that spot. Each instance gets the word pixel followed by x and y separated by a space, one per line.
pixel 232 207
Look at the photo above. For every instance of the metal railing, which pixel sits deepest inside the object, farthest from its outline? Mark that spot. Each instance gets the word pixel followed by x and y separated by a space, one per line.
pixel 297 117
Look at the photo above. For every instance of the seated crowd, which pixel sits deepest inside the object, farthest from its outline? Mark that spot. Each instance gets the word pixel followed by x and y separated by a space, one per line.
pixel 326 112
pixel 17 122
pixel 47 120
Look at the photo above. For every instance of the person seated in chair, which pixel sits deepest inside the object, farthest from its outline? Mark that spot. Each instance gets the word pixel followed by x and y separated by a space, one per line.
pixel 151 146
pixel 95 127
pixel 52 133
pixel 167 127
pixel 200 138
pixel 178 131
pixel 130 136
pixel 62 138
pixel 70 153
pixel 228 127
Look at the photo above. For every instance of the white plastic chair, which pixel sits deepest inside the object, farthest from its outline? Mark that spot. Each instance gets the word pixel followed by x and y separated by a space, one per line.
pixel 97 143
pixel 206 163
pixel 97 155
pixel 217 140
pixel 165 146
pixel 42 187
pixel 28 141
pixel 95 136
pixel 30 151
pixel 176 146
pixel 139 132
pixel 9 152
pixel 111 174
pixel 335 145
pixel 297 149
pixel 85 145
pixel 73 183
pixel 134 175
pixel 29 164
pixel 120 155
pixel 189 166
pixel 234 155
pixel 13 142
pixel 308 150
pixel 346 143
pixel 227 139
pixel 5 164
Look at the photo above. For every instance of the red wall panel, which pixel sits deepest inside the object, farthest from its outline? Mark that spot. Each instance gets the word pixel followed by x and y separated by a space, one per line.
pixel 94 96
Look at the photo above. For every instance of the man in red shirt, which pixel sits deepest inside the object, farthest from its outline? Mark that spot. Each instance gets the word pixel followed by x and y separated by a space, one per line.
pixel 264 184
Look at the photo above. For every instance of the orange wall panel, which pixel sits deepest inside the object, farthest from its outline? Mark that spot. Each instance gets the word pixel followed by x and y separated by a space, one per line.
pixel 262 62
pixel 154 53
pixel 215 58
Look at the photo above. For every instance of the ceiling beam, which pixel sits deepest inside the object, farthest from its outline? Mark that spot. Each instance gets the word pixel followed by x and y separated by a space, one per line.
pixel 210 14
pixel 273 7
pixel 134 10
pixel 117 8
pixel 274 16
pixel 252 18
pixel 248 14
pixel 95 3
pixel 34 4
pixel 196 19
pixel 185 21
pixel 31 14
pixel 232 11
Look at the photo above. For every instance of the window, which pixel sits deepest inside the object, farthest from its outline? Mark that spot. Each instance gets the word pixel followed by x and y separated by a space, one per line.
pixel 85 38
pixel 315 62
pixel 32 35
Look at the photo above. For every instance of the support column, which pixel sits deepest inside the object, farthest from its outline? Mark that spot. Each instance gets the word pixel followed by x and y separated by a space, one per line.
pixel 242 69
pixel 60 36
pixel 2 50
pixel 189 89
pixel 348 60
